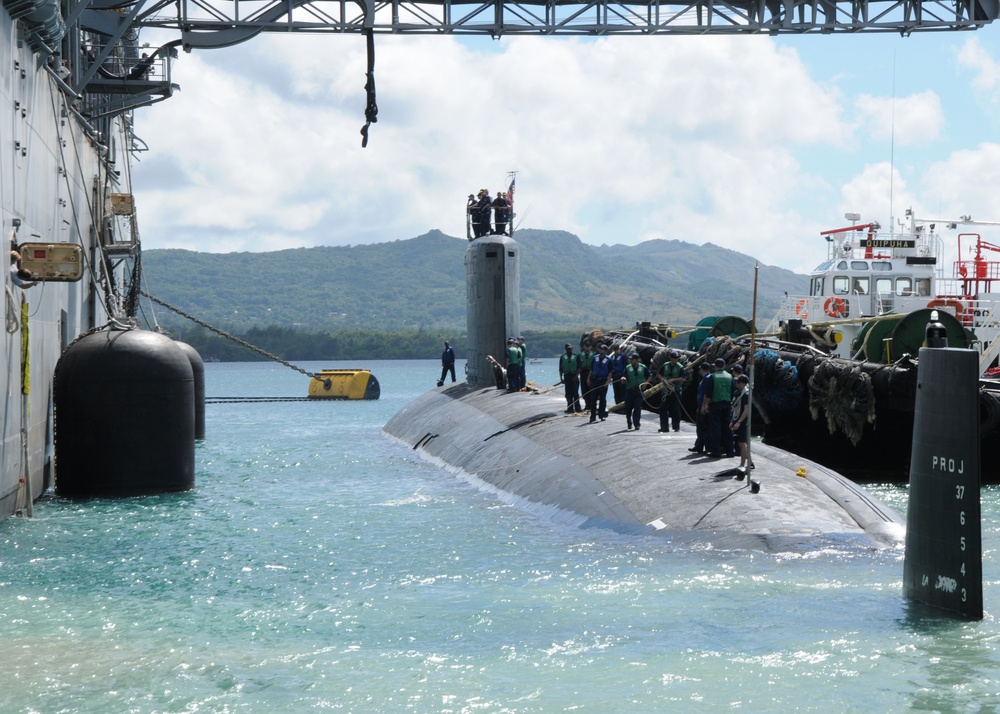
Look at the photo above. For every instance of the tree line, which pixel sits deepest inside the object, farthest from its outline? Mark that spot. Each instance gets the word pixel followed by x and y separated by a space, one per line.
pixel 355 344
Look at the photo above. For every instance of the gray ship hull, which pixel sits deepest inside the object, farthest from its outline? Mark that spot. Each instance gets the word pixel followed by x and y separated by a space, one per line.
pixel 53 186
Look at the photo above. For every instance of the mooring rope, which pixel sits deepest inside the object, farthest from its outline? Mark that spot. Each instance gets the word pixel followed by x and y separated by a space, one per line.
pixel 246 400
pixel 225 334
pixel 845 393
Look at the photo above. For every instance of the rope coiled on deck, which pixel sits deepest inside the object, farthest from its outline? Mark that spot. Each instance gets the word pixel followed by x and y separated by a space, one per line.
pixel 846 395
pixel 776 381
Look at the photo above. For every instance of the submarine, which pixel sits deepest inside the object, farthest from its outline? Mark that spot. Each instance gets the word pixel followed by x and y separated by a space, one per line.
pixel 525 448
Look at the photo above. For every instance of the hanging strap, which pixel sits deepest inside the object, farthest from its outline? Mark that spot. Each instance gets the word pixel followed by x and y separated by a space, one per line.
pixel 371 109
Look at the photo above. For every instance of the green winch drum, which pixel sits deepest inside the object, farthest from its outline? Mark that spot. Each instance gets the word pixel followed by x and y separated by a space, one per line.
pixel 887 339
pixel 717 326
pixel 908 336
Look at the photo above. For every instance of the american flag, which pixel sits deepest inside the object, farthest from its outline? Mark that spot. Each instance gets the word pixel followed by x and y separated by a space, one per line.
pixel 510 194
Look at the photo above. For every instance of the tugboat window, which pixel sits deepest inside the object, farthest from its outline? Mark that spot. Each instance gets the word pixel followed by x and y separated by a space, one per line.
pixel 841 284
pixel 842 265
pixel 859 265
pixel 884 286
pixel 860 286
pixel 904 286
pixel 817 286
pixel 922 286
pixel 881 265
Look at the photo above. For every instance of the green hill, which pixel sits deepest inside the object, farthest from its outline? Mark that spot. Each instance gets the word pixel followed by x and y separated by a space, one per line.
pixel 420 284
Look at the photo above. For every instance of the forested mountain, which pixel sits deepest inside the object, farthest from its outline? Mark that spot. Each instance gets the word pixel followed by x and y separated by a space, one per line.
pixel 419 284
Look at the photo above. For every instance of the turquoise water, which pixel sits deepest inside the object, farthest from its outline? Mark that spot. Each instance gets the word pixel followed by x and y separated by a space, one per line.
pixel 319 566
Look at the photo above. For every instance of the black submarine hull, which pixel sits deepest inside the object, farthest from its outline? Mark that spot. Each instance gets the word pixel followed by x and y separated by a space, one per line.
pixel 524 447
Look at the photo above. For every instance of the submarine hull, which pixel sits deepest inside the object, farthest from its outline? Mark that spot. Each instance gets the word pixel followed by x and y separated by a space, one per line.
pixel 599 474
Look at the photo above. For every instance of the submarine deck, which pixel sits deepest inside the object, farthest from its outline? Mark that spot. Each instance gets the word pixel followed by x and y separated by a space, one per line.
pixel 600 474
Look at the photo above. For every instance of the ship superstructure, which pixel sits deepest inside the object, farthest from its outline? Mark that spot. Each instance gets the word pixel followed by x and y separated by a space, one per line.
pixel 860 295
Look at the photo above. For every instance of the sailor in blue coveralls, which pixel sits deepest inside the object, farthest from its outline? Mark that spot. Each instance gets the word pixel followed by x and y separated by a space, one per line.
pixel 701 420
pixel 618 364
pixel 600 378
pixel 447 363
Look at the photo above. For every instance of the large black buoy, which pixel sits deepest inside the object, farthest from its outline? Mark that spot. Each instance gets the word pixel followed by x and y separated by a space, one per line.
pixel 198 368
pixel 124 416
pixel 943 564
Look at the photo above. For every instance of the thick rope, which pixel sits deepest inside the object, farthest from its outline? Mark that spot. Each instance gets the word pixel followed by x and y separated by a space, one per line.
pixel 776 381
pixel 234 338
pixel 847 397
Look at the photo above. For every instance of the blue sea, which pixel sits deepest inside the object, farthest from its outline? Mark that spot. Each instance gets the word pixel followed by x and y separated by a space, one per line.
pixel 319 566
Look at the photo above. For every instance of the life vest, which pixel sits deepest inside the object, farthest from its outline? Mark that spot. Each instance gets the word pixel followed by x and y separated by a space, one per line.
pixel 601 368
pixel 635 377
pixel 722 386
pixel 514 355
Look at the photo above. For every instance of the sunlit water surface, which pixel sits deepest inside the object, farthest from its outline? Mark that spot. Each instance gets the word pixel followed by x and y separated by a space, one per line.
pixel 320 566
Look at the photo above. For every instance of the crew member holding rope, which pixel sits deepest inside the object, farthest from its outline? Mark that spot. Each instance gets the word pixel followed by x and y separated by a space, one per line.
pixel 634 377
pixel 600 378
pixel 569 375
pixel 716 405
pixel 672 376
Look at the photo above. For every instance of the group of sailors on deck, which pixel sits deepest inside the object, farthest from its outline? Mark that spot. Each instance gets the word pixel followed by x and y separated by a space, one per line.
pixel 516 355
pixel 723 403
pixel 488 216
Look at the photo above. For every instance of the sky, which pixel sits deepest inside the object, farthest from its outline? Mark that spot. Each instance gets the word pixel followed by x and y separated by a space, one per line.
pixel 752 143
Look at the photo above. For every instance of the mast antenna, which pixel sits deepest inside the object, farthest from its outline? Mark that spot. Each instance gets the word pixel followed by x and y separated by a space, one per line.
pixel 892 144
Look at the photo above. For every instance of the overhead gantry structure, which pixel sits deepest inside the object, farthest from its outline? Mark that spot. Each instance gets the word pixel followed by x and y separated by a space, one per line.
pixel 211 23
pixel 92 45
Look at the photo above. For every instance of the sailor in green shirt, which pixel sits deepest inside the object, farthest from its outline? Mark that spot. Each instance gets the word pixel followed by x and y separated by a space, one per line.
pixel 636 375
pixel 513 366
pixel 569 375
pixel 716 404
pixel 672 376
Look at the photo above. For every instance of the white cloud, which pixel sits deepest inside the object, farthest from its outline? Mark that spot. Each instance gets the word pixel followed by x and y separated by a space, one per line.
pixel 728 140
pixel 907 121
pixel 966 183
pixel 878 193
pixel 987 69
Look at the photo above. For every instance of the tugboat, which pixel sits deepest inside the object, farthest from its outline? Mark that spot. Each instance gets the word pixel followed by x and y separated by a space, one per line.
pixel 852 343
pixel 866 299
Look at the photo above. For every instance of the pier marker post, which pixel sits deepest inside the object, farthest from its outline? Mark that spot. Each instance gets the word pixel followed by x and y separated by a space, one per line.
pixel 943 564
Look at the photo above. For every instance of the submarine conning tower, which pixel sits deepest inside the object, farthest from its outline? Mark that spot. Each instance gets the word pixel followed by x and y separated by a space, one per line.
pixel 493 312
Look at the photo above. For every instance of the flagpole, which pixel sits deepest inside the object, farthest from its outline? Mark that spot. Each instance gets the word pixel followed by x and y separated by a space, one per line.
pixel 512 175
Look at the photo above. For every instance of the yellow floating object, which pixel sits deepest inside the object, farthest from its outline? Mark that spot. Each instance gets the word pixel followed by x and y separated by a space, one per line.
pixel 344 384
pixel 801 471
